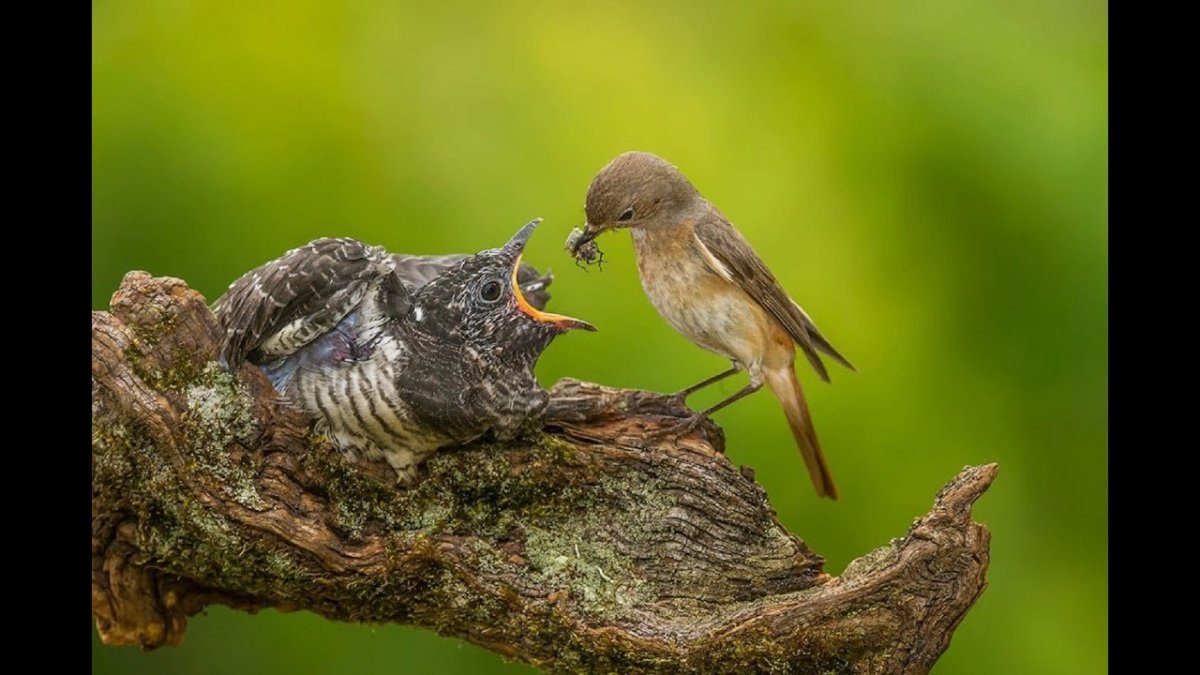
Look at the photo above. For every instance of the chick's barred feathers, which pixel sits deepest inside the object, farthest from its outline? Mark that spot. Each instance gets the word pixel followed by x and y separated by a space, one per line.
pixel 283 305
pixel 723 241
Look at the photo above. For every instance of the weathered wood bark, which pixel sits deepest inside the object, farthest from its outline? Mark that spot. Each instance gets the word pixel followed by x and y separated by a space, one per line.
pixel 586 548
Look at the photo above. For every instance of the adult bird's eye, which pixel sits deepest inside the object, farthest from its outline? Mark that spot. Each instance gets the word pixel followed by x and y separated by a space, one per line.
pixel 626 215
pixel 490 292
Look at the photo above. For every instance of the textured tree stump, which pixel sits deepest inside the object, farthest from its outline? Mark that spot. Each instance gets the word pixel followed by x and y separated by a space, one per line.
pixel 585 548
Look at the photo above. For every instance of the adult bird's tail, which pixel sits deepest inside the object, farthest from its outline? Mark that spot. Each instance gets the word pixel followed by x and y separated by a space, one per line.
pixel 783 383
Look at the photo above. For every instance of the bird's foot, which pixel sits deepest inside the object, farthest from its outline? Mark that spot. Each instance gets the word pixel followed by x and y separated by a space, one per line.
pixel 675 430
pixel 676 404
pixel 679 399
pixel 405 464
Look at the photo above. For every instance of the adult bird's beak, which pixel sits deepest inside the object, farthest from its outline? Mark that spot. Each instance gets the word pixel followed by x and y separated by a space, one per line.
pixel 516 246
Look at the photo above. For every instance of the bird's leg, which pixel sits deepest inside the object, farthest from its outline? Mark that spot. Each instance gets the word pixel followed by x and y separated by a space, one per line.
pixel 742 393
pixel 682 394
pixel 688 424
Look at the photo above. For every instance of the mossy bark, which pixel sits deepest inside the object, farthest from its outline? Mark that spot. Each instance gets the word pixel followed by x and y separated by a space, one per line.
pixel 584 548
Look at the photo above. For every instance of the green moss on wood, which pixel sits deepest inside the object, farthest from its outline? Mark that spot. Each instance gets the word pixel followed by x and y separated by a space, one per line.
pixel 218 414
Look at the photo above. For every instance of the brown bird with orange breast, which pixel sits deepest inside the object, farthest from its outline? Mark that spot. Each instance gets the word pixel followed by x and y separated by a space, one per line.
pixel 705 279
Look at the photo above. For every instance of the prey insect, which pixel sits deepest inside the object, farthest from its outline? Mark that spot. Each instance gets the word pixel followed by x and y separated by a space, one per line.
pixel 588 252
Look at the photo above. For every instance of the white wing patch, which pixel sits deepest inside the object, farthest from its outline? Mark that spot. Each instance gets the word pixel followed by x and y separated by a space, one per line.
pixel 801 310
pixel 285 339
pixel 716 265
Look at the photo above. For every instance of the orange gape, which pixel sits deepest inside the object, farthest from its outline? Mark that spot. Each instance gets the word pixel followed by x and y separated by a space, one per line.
pixel 539 315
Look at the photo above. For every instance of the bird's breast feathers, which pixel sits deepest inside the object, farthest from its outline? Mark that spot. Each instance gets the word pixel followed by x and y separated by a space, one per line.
pixel 695 293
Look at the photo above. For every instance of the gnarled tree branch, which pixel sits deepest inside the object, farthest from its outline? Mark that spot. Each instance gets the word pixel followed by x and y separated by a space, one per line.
pixel 586 548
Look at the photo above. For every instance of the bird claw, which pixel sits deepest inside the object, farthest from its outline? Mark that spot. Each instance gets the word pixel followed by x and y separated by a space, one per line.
pixel 406 478
pixel 676 430
pixel 677 400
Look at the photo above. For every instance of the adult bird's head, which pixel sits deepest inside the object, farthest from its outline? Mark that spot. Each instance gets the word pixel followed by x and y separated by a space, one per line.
pixel 636 190
pixel 479 304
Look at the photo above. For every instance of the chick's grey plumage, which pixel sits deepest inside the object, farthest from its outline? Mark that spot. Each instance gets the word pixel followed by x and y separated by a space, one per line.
pixel 396 355
pixel 417 270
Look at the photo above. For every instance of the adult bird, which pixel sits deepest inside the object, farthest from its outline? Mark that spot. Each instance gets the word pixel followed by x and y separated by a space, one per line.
pixel 397 356
pixel 708 283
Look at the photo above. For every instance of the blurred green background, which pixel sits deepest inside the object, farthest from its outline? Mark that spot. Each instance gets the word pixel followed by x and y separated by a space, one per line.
pixel 928 179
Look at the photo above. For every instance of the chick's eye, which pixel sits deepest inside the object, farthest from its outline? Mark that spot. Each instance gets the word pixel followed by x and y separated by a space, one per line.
pixel 626 215
pixel 490 292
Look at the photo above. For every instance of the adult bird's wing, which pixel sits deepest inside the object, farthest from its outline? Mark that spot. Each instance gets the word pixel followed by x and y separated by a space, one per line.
pixel 731 256
pixel 417 270
pixel 283 305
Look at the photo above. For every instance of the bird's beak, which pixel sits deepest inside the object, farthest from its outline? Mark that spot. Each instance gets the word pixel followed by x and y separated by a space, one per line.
pixel 517 243
pixel 590 232
pixel 517 246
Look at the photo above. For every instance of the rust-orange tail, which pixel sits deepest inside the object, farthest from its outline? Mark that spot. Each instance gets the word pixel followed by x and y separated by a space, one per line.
pixel 786 387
